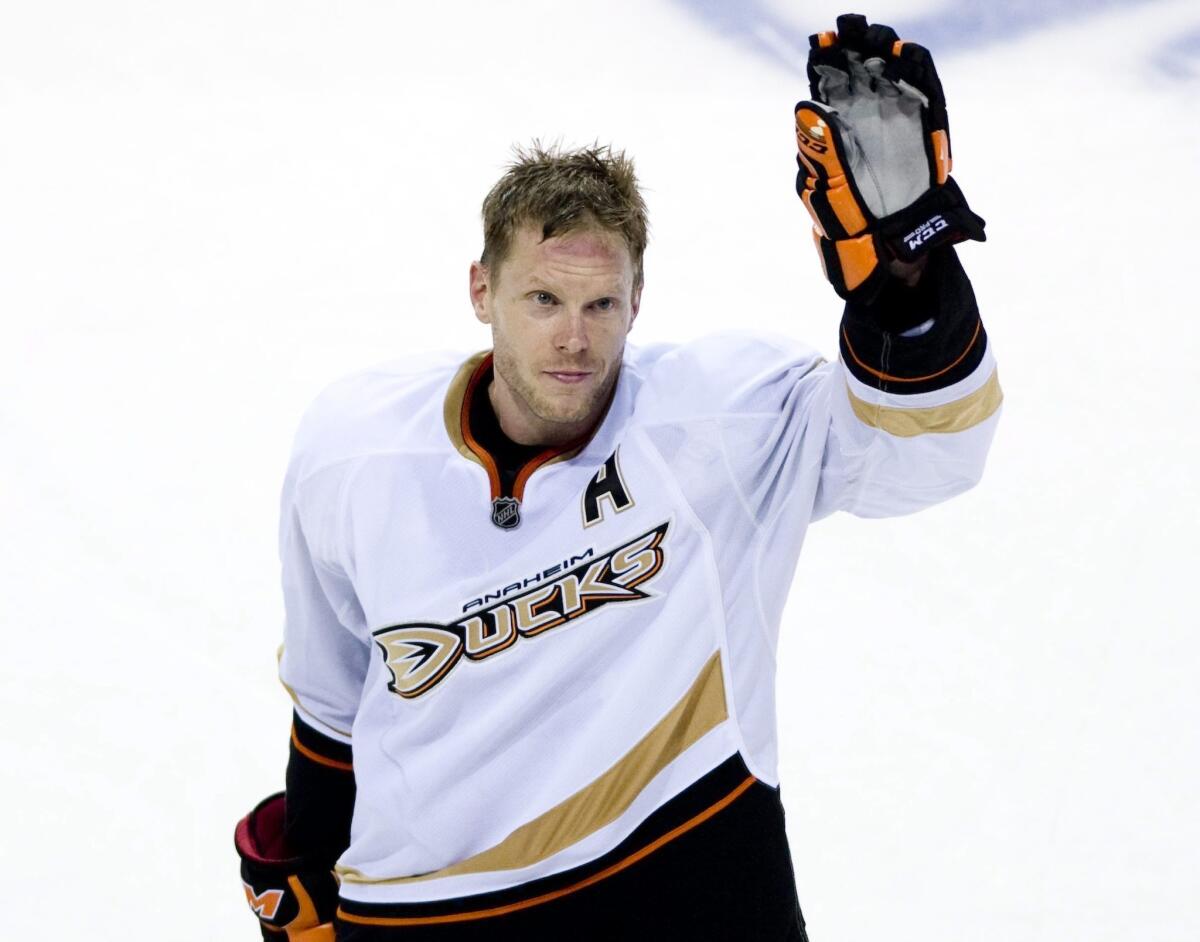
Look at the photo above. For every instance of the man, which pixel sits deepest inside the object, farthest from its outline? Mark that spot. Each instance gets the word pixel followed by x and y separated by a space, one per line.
pixel 533 597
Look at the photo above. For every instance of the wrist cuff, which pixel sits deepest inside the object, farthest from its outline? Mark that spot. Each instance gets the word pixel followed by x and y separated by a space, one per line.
pixel 875 352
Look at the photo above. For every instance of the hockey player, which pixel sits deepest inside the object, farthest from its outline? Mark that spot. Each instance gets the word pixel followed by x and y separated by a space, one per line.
pixel 532 596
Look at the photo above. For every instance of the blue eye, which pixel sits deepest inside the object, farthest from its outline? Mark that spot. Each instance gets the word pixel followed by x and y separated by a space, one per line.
pixel 605 304
pixel 543 297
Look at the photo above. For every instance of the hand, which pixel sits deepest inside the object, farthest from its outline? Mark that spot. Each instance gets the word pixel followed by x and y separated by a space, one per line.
pixel 908 273
pixel 293 899
pixel 874 157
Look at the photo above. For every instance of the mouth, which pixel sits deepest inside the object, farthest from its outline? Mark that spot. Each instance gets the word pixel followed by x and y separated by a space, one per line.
pixel 569 377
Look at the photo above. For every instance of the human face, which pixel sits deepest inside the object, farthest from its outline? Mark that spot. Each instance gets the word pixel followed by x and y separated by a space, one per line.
pixel 559 310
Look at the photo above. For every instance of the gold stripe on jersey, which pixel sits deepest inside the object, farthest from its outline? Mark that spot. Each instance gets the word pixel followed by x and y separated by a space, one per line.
pixel 954 416
pixel 623 864
pixel 605 799
pixel 300 706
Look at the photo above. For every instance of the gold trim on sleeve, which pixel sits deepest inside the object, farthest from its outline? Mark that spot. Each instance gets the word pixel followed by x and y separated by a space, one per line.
pixel 954 416
pixel 296 700
pixel 605 799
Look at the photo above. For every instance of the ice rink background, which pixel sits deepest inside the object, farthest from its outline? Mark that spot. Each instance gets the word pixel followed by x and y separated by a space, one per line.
pixel 988 711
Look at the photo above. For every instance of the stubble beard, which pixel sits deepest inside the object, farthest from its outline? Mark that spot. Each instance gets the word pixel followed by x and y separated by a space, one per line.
pixel 560 419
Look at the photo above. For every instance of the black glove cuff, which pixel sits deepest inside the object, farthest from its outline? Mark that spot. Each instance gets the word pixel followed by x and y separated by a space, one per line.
pixel 940 216
pixel 875 352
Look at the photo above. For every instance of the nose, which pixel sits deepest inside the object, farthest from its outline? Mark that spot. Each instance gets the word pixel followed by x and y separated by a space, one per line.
pixel 572 333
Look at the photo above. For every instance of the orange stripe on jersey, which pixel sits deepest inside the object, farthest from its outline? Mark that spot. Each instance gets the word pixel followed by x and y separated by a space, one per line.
pixel 913 379
pixel 827 39
pixel 485 456
pixel 317 757
pixel 464 420
pixel 533 464
pixel 565 891
pixel 896 47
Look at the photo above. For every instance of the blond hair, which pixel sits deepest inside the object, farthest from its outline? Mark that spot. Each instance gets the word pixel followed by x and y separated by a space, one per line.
pixel 563 191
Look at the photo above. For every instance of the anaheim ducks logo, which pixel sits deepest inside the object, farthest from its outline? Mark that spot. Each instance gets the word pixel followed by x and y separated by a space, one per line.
pixel 421 654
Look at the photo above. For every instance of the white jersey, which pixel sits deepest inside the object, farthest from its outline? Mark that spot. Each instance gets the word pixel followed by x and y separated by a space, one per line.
pixel 520 697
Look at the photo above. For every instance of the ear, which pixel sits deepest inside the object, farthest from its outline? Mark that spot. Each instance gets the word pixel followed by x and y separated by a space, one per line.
pixel 635 303
pixel 481 292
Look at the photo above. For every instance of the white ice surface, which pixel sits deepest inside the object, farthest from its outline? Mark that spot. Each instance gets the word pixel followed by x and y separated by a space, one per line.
pixel 989 711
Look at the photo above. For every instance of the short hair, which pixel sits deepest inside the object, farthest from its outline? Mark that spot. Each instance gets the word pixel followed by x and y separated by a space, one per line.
pixel 563 191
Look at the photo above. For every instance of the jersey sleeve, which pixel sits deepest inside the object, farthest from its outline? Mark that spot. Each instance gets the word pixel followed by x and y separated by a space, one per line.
pixel 902 420
pixel 915 401
pixel 325 654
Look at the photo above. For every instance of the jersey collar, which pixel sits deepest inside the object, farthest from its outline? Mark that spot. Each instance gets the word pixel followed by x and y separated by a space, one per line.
pixel 457 416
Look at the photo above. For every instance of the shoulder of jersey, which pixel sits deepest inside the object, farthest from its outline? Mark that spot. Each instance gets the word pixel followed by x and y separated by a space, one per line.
pixel 390 407
pixel 724 373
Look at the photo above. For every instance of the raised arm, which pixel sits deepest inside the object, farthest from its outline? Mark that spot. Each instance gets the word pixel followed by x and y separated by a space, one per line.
pixel 921 393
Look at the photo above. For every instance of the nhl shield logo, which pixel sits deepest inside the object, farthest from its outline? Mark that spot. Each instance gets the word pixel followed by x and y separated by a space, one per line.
pixel 506 513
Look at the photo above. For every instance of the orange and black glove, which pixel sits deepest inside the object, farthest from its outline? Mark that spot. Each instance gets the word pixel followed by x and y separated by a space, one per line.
pixel 874 157
pixel 294 899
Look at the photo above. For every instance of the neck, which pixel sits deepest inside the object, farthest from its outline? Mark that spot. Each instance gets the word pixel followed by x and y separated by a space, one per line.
pixel 525 427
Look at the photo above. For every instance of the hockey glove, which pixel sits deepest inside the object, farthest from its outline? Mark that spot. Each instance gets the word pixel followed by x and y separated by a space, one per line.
pixel 874 157
pixel 294 899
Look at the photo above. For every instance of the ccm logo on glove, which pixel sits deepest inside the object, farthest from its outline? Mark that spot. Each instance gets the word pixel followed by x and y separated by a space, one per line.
pixel 926 231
